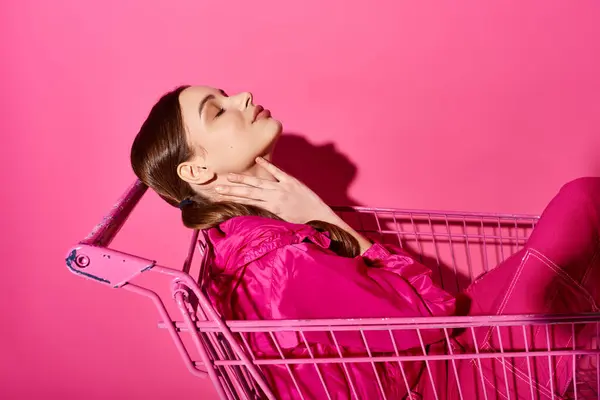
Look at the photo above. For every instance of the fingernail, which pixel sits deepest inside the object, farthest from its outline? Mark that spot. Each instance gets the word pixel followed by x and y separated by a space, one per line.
pixel 220 189
pixel 259 159
pixel 232 176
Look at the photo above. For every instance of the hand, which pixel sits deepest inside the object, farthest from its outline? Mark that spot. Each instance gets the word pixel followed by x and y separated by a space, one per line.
pixel 286 196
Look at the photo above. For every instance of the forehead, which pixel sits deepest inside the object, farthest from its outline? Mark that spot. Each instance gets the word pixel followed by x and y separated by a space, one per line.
pixel 194 94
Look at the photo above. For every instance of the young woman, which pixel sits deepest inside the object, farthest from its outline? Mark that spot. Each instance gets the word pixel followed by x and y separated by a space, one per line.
pixel 279 252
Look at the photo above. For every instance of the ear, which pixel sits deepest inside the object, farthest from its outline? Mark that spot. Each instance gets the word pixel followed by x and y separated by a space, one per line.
pixel 194 172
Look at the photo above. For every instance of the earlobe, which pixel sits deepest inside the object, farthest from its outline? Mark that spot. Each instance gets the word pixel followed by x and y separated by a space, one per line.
pixel 194 173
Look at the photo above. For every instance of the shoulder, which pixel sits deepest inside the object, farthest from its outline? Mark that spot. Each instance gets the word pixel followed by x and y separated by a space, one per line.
pixel 255 225
pixel 241 240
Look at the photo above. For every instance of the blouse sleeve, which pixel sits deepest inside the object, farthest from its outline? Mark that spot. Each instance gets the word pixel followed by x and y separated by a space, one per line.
pixel 383 283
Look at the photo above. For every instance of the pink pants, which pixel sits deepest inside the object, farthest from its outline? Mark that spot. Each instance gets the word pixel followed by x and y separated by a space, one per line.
pixel 557 272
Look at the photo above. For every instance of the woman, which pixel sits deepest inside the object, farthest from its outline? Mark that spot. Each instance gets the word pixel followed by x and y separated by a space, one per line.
pixel 279 252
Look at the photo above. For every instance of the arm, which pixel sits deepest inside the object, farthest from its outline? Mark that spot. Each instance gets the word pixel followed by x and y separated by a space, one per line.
pixel 286 197
pixel 320 284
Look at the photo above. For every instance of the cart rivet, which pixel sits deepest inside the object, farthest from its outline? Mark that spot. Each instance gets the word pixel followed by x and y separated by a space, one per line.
pixel 82 261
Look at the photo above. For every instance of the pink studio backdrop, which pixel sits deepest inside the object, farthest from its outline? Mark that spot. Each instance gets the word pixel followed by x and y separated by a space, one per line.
pixel 471 105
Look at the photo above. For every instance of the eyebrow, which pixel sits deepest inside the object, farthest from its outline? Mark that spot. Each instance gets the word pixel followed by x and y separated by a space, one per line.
pixel 206 99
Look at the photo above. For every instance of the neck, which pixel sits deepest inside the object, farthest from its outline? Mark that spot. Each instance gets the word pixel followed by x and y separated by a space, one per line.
pixel 259 172
pixel 255 170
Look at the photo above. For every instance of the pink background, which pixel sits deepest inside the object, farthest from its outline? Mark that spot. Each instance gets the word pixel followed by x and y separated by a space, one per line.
pixel 461 105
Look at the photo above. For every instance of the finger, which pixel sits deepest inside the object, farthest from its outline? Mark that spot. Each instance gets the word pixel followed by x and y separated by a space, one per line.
pixel 248 192
pixel 249 180
pixel 272 169
pixel 241 200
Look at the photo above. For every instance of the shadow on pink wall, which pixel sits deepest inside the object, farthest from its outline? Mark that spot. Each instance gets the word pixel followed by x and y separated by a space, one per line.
pixel 323 168
pixel 329 172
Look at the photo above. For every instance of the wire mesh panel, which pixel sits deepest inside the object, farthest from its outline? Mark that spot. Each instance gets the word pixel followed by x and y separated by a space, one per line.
pixel 457 246
pixel 526 372
pixel 476 357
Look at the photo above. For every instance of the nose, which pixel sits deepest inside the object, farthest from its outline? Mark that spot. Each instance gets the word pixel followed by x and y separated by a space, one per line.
pixel 245 99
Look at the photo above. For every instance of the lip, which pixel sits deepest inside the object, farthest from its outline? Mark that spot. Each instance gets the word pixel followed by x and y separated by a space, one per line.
pixel 260 113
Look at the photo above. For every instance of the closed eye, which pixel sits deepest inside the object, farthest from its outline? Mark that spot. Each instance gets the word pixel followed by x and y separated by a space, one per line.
pixel 221 111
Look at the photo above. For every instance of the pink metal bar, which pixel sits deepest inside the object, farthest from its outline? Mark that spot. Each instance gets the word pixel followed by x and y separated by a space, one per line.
pixel 112 223
pixel 479 369
pixel 379 324
pixel 398 237
pixel 550 361
pixel 170 327
pixel 226 356
pixel 503 361
pixel 453 257
pixel 247 376
pixel 214 316
pixel 289 370
pixel 516 235
pixel 339 351
pixel 381 390
pixel 597 359
pixel 191 251
pixel 485 250
pixel 451 352
pixel 316 365
pixel 467 249
pixel 426 358
pixel 419 244
pixel 395 345
pixel 529 374
pixel 574 340
pixel 179 298
pixel 106 266
pixel 416 212
pixel 501 240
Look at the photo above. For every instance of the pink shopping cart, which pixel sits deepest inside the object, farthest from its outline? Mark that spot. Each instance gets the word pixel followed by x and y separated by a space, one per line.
pixel 457 246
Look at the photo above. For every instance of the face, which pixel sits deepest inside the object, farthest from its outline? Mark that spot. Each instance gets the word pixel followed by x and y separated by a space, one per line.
pixel 226 132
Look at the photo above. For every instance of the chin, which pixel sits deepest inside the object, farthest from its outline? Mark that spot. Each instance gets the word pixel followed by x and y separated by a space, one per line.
pixel 275 134
pixel 274 128
pixel 277 125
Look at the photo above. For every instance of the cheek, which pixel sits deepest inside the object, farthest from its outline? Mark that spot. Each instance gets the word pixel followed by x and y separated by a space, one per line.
pixel 235 149
pixel 237 152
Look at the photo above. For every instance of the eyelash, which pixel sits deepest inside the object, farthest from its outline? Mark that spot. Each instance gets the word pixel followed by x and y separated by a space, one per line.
pixel 221 111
